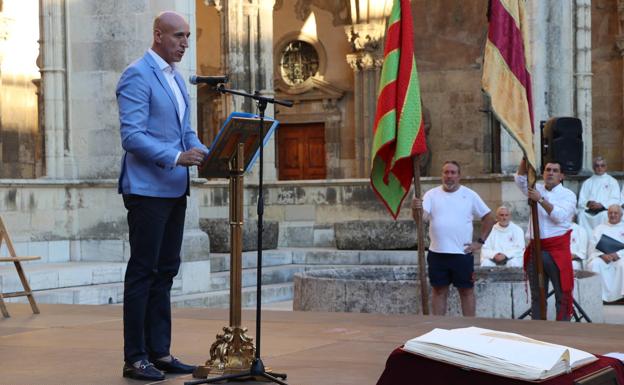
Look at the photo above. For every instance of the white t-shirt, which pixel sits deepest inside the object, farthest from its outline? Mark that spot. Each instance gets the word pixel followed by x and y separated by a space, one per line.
pixel 451 215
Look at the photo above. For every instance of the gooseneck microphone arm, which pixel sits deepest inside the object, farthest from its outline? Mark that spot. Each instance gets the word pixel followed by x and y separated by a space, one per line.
pixel 256 96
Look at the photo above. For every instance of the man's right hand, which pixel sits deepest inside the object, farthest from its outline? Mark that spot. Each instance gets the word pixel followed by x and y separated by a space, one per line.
pixel 192 157
pixel 416 207
pixel 594 205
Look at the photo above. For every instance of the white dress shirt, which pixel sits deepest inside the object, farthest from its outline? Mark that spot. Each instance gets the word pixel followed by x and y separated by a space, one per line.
pixel 169 73
pixel 559 221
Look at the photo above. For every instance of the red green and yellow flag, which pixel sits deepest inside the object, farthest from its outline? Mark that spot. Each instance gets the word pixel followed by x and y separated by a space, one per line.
pixel 398 133
pixel 506 77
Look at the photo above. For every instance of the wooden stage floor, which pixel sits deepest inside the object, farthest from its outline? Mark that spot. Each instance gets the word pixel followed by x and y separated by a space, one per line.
pixel 81 344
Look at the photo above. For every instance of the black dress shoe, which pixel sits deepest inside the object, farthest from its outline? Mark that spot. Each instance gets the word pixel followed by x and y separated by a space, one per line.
pixel 174 366
pixel 145 371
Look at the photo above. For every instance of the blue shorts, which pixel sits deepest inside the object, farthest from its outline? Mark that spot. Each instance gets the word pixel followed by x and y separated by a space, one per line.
pixel 444 269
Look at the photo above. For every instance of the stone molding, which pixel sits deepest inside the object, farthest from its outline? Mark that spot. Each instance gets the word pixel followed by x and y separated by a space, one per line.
pixel 366 37
pixel 364 61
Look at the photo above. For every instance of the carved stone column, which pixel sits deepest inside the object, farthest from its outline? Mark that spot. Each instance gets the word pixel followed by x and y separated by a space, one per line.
pixel 366 34
pixel 54 85
pixel 583 77
pixel 366 66
pixel 248 51
pixel 3 36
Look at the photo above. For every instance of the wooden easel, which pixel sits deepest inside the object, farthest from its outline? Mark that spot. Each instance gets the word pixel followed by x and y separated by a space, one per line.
pixel 4 236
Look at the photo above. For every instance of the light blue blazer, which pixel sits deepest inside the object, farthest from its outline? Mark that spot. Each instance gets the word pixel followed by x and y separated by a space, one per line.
pixel 151 132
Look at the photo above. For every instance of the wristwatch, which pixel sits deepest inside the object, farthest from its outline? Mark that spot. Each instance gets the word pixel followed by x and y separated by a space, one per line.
pixel 481 241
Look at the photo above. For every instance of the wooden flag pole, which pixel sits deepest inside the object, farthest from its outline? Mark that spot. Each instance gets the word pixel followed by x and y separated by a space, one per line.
pixel 537 246
pixel 420 230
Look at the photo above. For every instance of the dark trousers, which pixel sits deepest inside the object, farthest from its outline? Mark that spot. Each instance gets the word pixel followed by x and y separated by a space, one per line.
pixel 156 227
pixel 551 274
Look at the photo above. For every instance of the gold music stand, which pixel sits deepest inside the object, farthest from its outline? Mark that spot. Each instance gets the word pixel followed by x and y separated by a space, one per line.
pixel 233 152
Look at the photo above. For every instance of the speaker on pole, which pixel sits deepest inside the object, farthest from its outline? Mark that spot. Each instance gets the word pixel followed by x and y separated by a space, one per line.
pixel 562 142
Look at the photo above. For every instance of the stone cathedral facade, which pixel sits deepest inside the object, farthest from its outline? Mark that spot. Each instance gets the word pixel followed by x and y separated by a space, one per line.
pixel 59 130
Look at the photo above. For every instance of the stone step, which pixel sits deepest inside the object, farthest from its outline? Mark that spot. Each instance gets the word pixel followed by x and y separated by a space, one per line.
pixel 61 275
pixel 317 256
pixel 48 251
pixel 270 275
pixel 221 299
pixel 221 261
pixel 109 293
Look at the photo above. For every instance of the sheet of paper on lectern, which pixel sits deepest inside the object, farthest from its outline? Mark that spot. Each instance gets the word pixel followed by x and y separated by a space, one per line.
pixel 505 354
pixel 239 127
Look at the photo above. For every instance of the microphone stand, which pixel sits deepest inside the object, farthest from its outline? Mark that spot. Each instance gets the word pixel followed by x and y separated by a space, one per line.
pixel 257 367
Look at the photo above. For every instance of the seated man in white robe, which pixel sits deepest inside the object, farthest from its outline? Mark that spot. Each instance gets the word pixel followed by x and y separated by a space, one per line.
pixel 610 266
pixel 597 193
pixel 578 246
pixel 505 244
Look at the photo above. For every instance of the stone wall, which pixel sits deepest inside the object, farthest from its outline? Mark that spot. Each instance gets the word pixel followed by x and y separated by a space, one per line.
pixel 307 210
pixel 607 80
pixel 449 50
pixel 79 221
pixel 104 37
pixel 499 292
pixel 87 218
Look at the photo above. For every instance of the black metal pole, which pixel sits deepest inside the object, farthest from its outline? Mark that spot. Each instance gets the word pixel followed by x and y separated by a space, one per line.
pixel 262 104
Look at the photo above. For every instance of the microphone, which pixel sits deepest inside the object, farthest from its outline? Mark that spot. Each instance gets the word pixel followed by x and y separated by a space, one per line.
pixel 210 80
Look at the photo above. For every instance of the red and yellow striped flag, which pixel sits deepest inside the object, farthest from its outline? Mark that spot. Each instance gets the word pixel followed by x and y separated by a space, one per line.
pixel 506 77
pixel 398 133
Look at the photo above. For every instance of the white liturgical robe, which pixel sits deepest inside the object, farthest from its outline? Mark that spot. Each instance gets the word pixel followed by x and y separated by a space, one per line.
pixel 611 274
pixel 507 240
pixel 578 246
pixel 603 189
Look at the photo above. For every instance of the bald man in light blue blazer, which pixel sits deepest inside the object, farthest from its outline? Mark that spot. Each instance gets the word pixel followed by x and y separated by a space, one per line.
pixel 159 147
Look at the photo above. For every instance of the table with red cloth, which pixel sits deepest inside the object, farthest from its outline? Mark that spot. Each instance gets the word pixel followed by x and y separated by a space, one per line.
pixel 403 368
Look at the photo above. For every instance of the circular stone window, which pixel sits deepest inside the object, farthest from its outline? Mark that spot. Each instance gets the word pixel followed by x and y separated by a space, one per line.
pixel 298 62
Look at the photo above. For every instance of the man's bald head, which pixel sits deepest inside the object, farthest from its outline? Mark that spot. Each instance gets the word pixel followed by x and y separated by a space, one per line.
pixel 166 19
pixel 615 214
pixel 171 33
pixel 503 216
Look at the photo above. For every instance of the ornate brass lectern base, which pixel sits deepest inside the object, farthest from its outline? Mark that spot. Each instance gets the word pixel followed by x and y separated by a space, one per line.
pixel 232 352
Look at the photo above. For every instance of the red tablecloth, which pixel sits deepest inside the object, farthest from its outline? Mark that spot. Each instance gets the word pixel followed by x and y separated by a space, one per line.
pixel 404 368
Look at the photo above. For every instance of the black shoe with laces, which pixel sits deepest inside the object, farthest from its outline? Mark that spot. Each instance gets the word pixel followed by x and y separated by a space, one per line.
pixel 174 366
pixel 145 371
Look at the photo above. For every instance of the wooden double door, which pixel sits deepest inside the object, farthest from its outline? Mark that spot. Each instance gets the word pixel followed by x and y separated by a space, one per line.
pixel 301 151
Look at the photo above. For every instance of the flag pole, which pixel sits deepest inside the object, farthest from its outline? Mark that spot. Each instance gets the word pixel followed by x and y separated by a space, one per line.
pixel 537 246
pixel 420 231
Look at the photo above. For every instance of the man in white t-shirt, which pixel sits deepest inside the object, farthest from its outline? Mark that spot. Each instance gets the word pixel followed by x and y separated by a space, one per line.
pixel 598 192
pixel 505 245
pixel 450 210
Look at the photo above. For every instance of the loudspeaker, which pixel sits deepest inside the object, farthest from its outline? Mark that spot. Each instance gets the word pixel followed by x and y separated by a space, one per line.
pixel 562 142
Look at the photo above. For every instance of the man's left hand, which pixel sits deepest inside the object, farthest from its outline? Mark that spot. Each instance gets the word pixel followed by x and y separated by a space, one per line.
pixel 472 247
pixel 534 195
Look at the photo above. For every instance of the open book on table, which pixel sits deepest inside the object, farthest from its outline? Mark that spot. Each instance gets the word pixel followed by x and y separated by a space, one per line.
pixel 501 353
